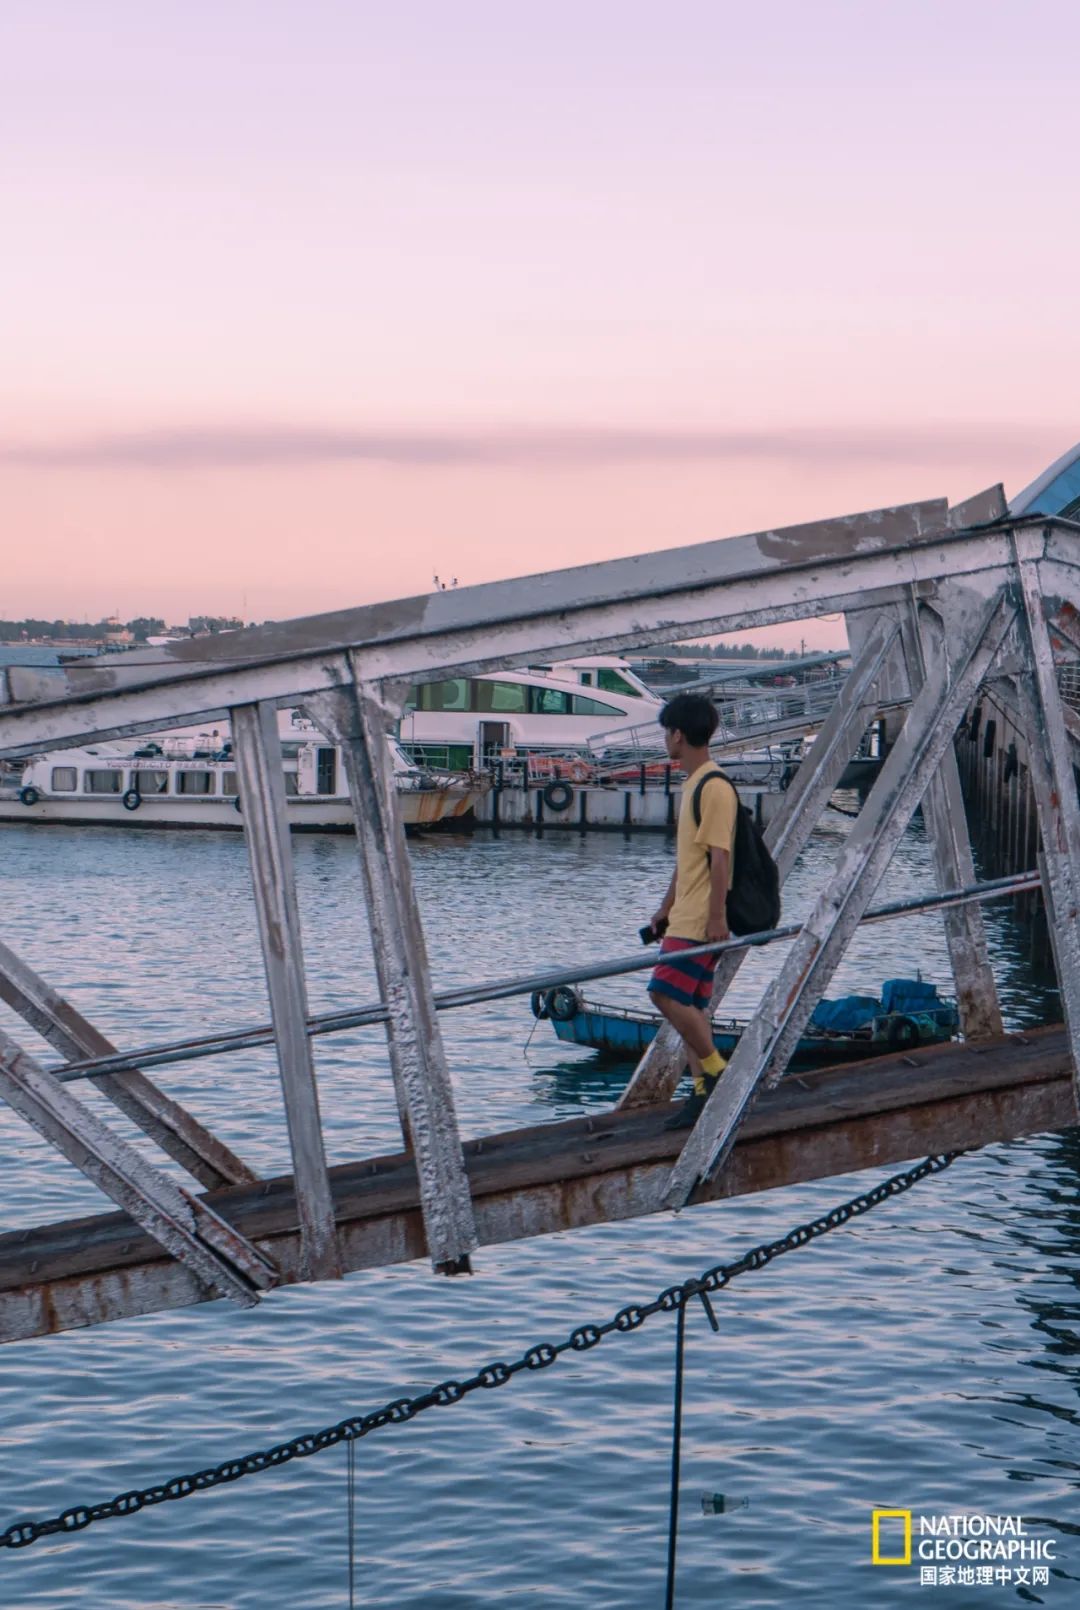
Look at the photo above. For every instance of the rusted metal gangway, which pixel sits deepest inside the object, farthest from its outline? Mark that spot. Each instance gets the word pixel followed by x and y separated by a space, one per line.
pixel 937 601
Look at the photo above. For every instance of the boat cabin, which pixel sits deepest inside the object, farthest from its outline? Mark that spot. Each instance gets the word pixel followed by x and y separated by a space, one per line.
pixel 462 723
pixel 605 672
pixel 189 768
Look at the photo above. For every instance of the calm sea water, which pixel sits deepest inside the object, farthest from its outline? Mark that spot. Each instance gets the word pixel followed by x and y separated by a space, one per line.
pixel 37 654
pixel 925 1357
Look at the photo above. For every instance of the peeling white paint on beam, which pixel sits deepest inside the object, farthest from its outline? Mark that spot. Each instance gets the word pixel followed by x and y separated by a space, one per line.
pixel 828 567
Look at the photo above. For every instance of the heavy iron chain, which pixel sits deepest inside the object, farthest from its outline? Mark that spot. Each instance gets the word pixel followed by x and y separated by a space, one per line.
pixel 538 1357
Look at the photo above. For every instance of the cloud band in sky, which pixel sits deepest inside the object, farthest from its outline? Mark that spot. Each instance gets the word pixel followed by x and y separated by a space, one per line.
pixel 541 447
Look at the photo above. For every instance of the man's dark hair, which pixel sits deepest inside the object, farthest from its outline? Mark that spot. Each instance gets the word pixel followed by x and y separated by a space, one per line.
pixel 693 715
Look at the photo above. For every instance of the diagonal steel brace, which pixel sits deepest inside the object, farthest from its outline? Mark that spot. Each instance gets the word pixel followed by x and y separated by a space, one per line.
pixel 202 1154
pixel 216 1254
pixel 765 1047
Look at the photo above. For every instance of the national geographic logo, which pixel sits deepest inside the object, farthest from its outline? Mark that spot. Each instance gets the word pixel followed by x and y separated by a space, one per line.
pixel 903 1516
pixel 963 1550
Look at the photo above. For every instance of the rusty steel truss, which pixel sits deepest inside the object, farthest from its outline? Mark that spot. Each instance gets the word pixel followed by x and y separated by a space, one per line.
pixel 937 600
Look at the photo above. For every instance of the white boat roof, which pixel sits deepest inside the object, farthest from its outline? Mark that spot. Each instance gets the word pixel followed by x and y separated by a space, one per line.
pixel 588 662
pixel 563 670
pixel 540 679
pixel 1055 491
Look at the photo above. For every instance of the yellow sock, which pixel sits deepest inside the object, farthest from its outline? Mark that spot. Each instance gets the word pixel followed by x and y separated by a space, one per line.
pixel 714 1064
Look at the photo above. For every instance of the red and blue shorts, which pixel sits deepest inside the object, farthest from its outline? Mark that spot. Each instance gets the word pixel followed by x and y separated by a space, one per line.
pixel 690 981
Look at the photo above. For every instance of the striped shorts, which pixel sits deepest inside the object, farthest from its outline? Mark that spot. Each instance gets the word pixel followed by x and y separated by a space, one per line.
pixel 689 982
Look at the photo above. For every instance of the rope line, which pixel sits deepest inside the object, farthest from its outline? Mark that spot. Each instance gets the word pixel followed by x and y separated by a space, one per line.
pixel 538 1357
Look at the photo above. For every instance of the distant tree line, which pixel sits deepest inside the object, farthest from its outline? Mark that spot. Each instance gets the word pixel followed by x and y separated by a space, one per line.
pixel 214 623
pixel 723 651
pixel 142 627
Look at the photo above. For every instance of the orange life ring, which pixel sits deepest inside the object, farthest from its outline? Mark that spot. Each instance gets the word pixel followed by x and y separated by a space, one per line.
pixel 580 771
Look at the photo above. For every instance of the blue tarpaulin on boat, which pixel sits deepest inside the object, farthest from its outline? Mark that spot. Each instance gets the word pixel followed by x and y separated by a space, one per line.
pixel 909 995
pixel 849 1012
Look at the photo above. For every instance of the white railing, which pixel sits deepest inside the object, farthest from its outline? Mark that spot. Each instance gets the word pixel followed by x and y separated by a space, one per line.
pixel 749 715
pixel 1068 681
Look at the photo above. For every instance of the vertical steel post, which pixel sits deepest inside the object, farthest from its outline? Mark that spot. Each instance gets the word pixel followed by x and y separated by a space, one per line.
pixel 1053 783
pixel 357 719
pixel 947 829
pixel 766 1045
pixel 261 781
pixel 661 1065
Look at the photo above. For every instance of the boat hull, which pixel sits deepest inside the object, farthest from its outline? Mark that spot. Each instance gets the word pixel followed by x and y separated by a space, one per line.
pixel 420 808
pixel 625 1037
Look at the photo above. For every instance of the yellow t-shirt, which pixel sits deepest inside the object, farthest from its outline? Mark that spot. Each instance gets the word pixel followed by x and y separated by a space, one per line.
pixel 693 881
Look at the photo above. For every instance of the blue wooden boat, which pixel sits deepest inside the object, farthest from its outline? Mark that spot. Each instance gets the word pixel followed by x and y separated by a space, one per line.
pixel 908 1013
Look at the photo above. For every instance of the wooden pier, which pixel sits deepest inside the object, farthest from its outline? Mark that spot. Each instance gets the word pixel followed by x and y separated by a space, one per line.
pixel 940 603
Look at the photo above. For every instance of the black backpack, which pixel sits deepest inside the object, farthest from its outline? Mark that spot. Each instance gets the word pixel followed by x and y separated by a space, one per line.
pixel 753 901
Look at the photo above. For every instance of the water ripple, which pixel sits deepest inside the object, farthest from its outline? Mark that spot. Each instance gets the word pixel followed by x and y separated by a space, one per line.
pixel 926 1356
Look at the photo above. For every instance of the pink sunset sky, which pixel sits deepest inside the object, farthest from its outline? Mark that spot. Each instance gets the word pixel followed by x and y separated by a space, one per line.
pixel 305 302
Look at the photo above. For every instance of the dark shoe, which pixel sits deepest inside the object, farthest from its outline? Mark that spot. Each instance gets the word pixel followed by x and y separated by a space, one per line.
pixel 690 1111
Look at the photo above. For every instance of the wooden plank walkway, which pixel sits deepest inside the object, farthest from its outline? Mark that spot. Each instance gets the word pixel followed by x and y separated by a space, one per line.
pixel 558 1176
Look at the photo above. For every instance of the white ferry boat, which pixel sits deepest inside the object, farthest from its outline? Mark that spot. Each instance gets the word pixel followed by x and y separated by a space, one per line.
pixel 191 781
pixel 466 723
pixel 606 672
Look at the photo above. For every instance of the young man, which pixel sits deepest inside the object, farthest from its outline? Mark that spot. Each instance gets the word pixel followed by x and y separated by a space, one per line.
pixel 694 910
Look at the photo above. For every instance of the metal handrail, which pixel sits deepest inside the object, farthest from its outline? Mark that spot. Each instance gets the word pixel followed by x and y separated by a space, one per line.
pixel 503 989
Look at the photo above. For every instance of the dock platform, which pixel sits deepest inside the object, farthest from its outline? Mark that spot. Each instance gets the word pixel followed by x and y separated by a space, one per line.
pixel 559 1176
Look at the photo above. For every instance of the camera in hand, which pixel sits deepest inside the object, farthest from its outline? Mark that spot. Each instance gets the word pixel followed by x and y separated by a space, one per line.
pixel 651 935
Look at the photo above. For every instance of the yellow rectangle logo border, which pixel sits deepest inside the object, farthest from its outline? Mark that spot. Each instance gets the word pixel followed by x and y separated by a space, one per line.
pixel 876 1556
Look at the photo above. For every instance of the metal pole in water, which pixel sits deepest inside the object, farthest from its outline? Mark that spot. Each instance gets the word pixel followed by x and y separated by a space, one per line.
pixel 676 1452
pixel 350 1516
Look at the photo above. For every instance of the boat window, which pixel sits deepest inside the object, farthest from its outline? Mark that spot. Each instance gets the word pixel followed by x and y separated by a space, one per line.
pixel 451 695
pixel 500 698
pixel 194 782
pixel 228 783
pixel 610 681
pixel 326 771
pixel 593 707
pixel 64 779
pixel 292 783
pixel 441 757
pixel 150 782
pixel 549 702
pixel 586 678
pixel 103 782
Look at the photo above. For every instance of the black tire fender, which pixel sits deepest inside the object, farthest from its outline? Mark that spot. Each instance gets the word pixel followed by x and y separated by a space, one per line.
pixel 558 796
pixel 29 796
pixel 563 1003
pixel 131 800
pixel 903 1033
